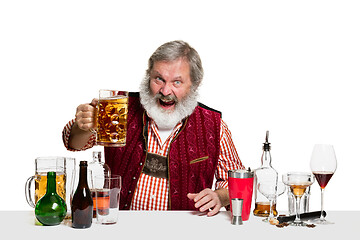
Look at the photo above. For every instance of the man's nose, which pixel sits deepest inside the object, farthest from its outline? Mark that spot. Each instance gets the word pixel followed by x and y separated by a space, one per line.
pixel 166 89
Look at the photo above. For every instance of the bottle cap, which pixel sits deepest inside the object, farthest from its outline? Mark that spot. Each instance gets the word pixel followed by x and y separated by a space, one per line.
pixel 266 146
pixel 97 155
pixel 83 163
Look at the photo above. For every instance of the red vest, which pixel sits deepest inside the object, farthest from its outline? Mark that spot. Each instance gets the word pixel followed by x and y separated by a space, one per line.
pixel 192 158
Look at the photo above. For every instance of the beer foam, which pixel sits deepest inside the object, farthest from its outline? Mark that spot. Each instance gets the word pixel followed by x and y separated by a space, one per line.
pixel 114 97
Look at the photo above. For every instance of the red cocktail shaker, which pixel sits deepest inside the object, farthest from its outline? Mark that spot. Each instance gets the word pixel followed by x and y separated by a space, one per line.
pixel 241 187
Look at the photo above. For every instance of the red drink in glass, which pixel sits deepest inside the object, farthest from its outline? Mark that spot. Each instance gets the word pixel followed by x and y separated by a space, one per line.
pixel 323 178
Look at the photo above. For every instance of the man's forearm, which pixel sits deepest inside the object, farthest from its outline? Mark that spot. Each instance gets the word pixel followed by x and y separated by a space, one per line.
pixel 78 138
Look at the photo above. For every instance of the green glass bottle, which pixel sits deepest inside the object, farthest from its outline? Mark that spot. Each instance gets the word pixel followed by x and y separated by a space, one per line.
pixel 51 208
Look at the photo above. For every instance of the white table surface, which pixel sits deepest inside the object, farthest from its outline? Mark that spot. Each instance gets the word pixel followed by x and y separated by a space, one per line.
pixel 178 225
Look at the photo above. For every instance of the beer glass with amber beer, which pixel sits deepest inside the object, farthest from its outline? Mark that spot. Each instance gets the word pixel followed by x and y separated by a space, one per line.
pixel 112 112
pixel 63 167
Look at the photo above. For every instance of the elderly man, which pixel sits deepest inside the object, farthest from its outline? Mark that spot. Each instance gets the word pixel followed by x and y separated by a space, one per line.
pixel 175 145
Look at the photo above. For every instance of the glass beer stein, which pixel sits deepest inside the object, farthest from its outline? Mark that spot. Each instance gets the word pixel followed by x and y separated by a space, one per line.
pixel 62 166
pixel 112 112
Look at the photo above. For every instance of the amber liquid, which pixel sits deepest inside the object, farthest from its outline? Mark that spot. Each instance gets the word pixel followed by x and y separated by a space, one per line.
pixel 262 209
pixel 41 183
pixel 112 121
pixel 299 189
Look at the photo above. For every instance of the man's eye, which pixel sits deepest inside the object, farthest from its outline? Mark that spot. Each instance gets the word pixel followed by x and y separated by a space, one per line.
pixel 159 79
pixel 177 82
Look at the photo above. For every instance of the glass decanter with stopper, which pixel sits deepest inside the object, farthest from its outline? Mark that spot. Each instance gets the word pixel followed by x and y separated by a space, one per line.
pixel 266 173
pixel 97 169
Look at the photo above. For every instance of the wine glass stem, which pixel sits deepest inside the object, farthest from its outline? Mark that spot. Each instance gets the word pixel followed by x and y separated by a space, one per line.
pixel 322 218
pixel 271 213
pixel 297 218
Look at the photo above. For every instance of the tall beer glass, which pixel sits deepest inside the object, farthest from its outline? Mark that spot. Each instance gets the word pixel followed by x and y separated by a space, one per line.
pixel 112 118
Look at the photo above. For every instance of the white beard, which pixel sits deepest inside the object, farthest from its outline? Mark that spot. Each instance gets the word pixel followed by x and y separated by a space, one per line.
pixel 164 119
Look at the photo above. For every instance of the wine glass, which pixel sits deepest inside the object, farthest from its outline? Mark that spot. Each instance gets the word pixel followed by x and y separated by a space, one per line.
pixel 323 166
pixel 298 182
pixel 271 190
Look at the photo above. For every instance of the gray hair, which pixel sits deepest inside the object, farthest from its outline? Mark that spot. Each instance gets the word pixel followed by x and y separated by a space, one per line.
pixel 174 50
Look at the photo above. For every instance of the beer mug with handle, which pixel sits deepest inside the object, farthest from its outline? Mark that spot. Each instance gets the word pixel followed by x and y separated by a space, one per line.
pixel 62 166
pixel 112 112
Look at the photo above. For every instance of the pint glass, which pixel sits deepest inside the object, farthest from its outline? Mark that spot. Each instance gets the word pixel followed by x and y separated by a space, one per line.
pixel 112 118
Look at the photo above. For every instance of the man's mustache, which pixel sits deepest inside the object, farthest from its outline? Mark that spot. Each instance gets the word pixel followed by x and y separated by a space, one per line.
pixel 167 98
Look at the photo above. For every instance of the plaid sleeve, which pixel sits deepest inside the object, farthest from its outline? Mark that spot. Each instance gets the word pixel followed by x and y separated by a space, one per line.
pixel 228 157
pixel 66 136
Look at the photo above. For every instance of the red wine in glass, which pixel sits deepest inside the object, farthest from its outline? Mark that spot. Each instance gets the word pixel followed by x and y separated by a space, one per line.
pixel 323 165
pixel 323 177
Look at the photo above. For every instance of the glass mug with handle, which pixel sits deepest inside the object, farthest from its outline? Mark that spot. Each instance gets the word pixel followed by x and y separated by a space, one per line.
pixel 111 121
pixel 63 167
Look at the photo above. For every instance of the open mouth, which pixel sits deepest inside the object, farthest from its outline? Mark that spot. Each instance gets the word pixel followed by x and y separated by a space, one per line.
pixel 166 103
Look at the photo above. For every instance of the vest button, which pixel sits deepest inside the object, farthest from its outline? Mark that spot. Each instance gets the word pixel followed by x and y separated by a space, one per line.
pixel 141 164
pixel 133 178
pixel 129 192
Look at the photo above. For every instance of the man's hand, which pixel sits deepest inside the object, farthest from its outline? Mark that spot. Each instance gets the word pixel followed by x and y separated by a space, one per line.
pixel 209 200
pixel 86 115
pixel 85 120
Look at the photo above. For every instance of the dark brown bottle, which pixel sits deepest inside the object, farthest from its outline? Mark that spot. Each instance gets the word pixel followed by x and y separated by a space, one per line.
pixel 82 203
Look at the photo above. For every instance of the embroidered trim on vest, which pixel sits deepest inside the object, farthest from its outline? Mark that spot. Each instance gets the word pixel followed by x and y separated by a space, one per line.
pixel 199 160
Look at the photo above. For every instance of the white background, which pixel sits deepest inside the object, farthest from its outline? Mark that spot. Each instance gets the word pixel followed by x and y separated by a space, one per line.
pixel 290 67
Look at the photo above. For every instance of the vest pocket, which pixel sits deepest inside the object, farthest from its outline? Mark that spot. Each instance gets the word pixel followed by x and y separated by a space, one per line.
pixel 199 159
